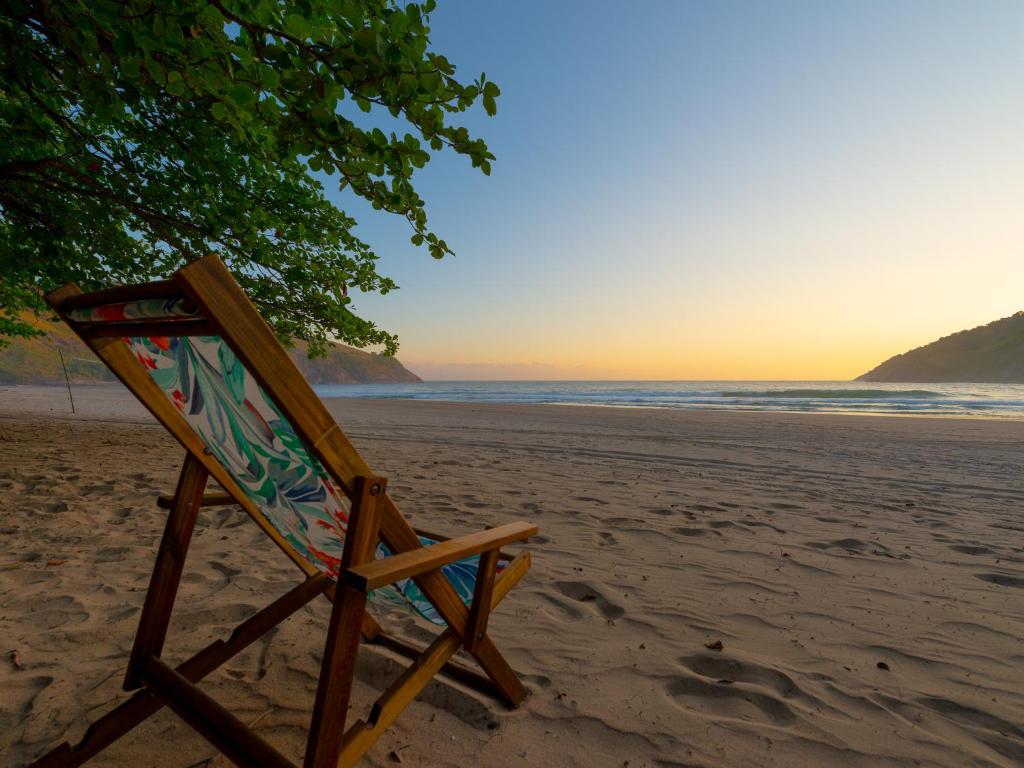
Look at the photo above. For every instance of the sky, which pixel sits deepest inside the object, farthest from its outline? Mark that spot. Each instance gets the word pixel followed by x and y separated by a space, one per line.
pixel 715 190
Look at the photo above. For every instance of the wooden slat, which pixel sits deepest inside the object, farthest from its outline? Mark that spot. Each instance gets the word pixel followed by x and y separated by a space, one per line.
pixel 500 671
pixel 162 289
pixel 170 561
pixel 364 522
pixel 119 721
pixel 452 669
pixel 509 577
pixel 210 720
pixel 363 735
pixel 386 571
pixel 169 327
pixel 503 556
pixel 480 608
pixel 337 669
pixel 336 675
pixel 164 501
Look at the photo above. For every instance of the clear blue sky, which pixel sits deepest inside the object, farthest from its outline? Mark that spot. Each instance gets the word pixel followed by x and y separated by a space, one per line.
pixel 716 189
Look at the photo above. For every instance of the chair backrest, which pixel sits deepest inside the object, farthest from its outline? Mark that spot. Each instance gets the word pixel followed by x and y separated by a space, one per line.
pixel 245 431
pixel 190 338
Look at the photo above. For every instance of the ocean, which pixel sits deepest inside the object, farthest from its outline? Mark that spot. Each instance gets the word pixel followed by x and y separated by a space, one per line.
pixel 977 400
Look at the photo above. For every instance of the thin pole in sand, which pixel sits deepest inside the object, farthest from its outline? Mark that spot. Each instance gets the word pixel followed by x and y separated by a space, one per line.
pixel 67 379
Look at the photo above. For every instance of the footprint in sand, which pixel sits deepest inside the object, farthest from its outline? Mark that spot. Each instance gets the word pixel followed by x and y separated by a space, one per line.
pixel 1001 579
pixel 851 546
pixel 969 550
pixel 737 671
pixel 623 522
pixel 998 734
pixel 585 593
pixel 708 508
pixel 760 524
pixel 726 700
pixel 111 554
pixel 53 612
pixel 691 532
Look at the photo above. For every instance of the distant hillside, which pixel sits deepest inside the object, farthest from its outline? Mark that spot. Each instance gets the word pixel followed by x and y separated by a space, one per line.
pixel 992 353
pixel 345 365
pixel 35 361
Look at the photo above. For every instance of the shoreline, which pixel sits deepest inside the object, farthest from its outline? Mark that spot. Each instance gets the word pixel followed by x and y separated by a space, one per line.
pixel 49 393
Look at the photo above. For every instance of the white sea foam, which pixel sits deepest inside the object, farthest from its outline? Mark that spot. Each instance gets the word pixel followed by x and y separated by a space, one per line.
pixel 979 400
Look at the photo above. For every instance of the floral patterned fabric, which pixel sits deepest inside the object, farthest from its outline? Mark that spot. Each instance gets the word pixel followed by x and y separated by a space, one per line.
pixel 258 447
pixel 132 310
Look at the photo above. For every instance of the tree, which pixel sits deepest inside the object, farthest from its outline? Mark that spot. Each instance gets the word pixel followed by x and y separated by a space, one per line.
pixel 138 135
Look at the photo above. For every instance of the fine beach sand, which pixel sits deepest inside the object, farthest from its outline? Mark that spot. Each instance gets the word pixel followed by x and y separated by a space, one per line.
pixel 816 549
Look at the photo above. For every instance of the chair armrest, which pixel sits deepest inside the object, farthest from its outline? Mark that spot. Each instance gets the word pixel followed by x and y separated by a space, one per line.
pixel 378 573
pixel 503 556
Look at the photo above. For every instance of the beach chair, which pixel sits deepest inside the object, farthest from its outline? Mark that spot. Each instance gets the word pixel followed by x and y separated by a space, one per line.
pixel 196 353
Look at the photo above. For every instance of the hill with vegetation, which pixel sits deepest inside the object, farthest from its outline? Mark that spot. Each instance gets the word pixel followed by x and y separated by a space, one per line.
pixel 36 361
pixel 992 353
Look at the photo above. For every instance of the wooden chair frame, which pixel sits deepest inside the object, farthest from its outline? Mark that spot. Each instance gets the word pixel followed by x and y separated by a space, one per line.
pixel 221 308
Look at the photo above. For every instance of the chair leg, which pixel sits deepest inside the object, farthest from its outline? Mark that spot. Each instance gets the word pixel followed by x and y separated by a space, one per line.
pixel 119 721
pixel 502 675
pixel 336 673
pixel 338 667
pixel 480 609
pixel 170 560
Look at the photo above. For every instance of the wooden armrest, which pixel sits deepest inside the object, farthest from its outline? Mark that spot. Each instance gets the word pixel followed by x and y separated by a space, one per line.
pixel 378 573
pixel 503 556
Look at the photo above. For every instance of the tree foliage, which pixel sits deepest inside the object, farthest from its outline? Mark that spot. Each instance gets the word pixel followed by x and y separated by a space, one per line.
pixel 138 135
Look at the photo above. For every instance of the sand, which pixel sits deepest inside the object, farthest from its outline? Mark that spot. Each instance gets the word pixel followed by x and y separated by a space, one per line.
pixel 864 576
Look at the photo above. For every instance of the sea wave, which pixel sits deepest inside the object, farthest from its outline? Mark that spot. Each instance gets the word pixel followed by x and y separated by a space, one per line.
pixel 837 394
pixel 944 399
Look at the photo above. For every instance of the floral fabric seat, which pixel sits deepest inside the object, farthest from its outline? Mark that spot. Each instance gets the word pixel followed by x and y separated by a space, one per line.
pixel 244 430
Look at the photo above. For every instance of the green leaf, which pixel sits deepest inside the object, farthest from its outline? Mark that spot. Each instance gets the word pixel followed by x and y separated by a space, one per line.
pixel 210 17
pixel 296 24
pixel 156 71
pixel 241 94
pixel 269 78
